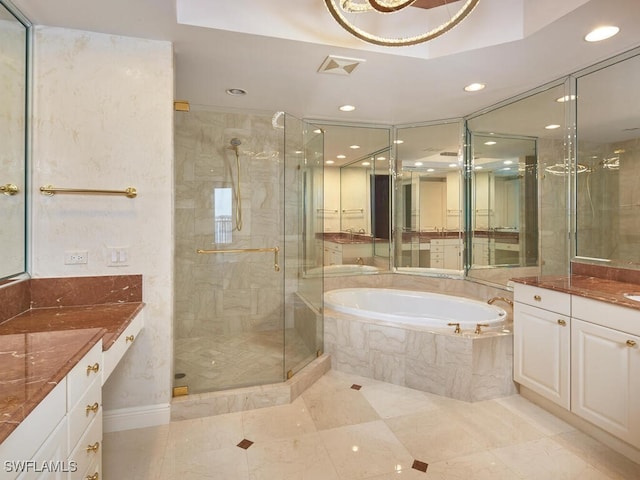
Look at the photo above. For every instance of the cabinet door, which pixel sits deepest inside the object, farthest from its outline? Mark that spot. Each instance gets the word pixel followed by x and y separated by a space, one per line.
pixel 541 352
pixel 605 383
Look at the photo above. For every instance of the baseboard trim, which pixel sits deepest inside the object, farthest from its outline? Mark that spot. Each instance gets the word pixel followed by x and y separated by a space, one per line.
pixel 136 417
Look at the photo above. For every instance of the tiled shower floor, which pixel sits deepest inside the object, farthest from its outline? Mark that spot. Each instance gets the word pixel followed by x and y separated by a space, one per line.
pixel 336 431
pixel 236 360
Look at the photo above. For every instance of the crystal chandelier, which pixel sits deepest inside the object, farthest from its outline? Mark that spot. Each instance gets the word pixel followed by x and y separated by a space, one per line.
pixel 343 10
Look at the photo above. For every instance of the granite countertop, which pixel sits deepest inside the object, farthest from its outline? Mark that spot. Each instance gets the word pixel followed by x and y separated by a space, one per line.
pixel 596 288
pixel 32 364
pixel 113 318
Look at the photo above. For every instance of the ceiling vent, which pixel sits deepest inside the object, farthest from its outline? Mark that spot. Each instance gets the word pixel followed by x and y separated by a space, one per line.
pixel 339 65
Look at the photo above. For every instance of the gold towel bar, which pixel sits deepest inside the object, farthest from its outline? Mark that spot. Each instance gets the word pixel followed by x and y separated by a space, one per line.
pixel 129 192
pixel 275 251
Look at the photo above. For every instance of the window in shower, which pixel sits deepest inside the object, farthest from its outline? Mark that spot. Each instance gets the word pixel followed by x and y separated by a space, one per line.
pixel 222 208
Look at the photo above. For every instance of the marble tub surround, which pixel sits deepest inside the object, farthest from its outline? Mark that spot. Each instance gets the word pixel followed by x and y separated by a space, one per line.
pixel 31 365
pixel 596 288
pixel 468 366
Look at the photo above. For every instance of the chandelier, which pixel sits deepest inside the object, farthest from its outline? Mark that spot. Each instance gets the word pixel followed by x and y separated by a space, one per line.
pixel 347 12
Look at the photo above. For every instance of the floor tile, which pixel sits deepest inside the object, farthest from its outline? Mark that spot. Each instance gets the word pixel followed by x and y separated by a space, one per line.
pixel 134 454
pixel 206 433
pixel 392 400
pixel 544 421
pixel 266 424
pixel 478 466
pixel 199 463
pixel 365 450
pixel 301 457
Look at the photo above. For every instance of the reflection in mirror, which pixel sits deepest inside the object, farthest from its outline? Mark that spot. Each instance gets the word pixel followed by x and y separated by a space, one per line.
pixel 504 201
pixel 428 207
pixel 520 200
pixel 13 74
pixel 355 215
pixel 608 170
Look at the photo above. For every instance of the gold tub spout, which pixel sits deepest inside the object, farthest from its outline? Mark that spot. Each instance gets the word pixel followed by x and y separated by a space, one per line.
pixel 502 299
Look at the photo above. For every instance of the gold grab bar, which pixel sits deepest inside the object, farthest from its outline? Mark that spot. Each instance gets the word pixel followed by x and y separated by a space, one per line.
pixel 129 192
pixel 275 251
pixel 9 189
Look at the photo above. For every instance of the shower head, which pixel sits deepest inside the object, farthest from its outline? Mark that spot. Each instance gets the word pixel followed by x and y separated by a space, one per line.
pixel 235 142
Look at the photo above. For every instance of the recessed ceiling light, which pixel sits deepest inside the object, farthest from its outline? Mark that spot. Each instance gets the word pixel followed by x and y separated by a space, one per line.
pixel 397 142
pixel 329 162
pixel 479 167
pixel 619 151
pixel 490 142
pixel 236 91
pixel 431 170
pixel 381 158
pixel 507 168
pixel 418 164
pixel 508 162
pixel 317 130
pixel 298 152
pixel 566 98
pixel 601 33
pixel 453 165
pixel 355 147
pixel 347 108
pixel 341 157
pixel 553 126
pixel 474 87
pixel 366 164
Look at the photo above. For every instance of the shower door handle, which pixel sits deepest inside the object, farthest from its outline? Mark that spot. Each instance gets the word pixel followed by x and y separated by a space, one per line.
pixel 275 251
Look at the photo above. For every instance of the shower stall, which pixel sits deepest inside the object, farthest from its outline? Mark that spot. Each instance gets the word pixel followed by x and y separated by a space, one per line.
pixel 248 187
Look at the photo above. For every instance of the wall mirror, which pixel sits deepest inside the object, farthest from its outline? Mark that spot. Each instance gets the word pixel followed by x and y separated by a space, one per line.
pixel 608 164
pixel 356 213
pixel 518 187
pixel 429 221
pixel 13 93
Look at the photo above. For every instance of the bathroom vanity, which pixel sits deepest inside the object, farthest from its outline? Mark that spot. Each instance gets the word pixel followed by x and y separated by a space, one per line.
pixel 577 345
pixel 54 361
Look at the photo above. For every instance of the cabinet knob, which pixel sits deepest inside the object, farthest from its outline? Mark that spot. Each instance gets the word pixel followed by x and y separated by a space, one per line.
pixel 129 338
pixel 93 368
pixel 562 322
pixel 95 476
pixel 631 343
pixel 92 408
pixel 537 298
pixel 93 448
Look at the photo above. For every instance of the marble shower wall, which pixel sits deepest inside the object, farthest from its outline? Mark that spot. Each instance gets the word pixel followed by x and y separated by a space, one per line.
pixel 227 293
pixel 102 118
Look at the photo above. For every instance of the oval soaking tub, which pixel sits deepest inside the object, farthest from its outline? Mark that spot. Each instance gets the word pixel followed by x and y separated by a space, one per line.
pixel 344 269
pixel 407 307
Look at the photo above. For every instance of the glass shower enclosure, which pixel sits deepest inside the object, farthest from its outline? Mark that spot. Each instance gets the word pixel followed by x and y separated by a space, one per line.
pixel 247 185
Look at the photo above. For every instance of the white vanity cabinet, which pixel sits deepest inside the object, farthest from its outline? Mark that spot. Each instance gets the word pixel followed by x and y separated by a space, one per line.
pixel 605 367
pixel 541 336
pixel 115 352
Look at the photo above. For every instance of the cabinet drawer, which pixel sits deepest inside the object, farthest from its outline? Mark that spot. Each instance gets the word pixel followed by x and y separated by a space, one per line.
pixel 88 408
pixel 27 438
pixel 114 354
pixel 54 450
pixel 606 314
pixel 543 298
pixel 88 451
pixel 83 374
pixel 437 248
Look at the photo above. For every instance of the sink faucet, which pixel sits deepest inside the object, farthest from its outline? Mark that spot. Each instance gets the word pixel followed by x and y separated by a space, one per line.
pixel 502 299
pixel 350 232
pixel 362 231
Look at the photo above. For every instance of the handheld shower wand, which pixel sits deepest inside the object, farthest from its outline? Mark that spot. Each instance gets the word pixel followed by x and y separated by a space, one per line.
pixel 235 143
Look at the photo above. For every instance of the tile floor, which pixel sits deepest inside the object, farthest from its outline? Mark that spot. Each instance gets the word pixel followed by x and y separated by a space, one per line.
pixel 336 431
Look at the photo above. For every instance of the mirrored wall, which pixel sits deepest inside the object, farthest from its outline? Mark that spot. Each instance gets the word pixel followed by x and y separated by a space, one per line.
pixel 607 176
pixel 13 107
pixel 355 219
pixel 429 221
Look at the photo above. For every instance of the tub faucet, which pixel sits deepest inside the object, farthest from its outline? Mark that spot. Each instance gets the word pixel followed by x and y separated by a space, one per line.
pixel 359 261
pixel 457 325
pixel 502 299
pixel 478 331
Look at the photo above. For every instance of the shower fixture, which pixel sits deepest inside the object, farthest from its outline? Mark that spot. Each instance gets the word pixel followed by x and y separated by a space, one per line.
pixel 235 143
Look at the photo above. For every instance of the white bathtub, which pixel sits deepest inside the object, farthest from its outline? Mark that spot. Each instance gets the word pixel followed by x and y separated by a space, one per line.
pixel 339 270
pixel 406 307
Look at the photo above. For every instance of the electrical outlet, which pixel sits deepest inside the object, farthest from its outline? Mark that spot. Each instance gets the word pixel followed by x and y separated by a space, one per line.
pixel 76 257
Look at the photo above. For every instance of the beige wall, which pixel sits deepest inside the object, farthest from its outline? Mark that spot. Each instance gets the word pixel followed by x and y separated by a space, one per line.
pixel 102 118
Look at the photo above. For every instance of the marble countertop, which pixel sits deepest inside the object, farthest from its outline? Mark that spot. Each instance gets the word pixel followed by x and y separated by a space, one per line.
pixel 596 288
pixel 40 346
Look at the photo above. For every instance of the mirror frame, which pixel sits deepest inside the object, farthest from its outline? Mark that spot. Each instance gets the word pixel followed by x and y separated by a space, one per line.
pixel 27 103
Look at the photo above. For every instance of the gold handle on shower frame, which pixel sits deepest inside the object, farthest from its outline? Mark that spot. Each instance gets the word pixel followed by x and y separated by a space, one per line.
pixel 275 251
